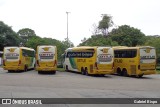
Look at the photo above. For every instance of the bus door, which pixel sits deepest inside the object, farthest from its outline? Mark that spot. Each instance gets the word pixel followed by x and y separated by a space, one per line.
pixel 147 58
pixel 11 56
pixel 104 58
pixel 46 56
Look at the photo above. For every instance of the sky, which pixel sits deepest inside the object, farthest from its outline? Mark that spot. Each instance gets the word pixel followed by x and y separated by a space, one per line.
pixel 48 18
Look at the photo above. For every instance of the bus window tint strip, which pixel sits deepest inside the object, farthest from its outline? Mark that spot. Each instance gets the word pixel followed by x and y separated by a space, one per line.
pixel 28 53
pixel 125 53
pixel 79 54
pixel 11 57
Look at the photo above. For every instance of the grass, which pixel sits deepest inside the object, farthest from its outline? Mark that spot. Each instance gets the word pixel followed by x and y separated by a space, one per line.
pixel 158 71
pixel 60 69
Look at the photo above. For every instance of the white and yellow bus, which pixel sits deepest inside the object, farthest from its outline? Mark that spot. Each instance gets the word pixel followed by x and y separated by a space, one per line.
pixel 89 60
pixel 137 61
pixel 18 58
pixel 46 58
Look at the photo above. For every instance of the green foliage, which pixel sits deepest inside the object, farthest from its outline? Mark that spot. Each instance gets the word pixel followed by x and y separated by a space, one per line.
pixel 34 41
pixel 155 42
pixel 128 36
pixel 68 43
pixel 99 40
pixel 105 23
pixel 7 36
pixel 25 34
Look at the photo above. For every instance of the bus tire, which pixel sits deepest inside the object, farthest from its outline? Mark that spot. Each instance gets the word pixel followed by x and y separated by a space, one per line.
pixel 39 72
pixel 119 71
pixel 125 73
pixel 66 68
pixel 54 72
pixel 86 72
pixel 25 68
pixel 9 71
pixel 83 71
pixel 102 75
pixel 139 76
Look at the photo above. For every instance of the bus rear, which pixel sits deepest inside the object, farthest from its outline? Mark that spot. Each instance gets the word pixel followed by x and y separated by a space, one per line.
pixel 11 59
pixel 46 58
pixel 104 63
pixel 147 64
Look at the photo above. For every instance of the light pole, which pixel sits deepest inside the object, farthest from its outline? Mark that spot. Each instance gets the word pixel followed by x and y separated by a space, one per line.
pixel 67 29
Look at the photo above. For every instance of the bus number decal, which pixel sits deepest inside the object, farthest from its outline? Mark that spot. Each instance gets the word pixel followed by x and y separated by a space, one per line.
pixel 118 60
pixel 81 60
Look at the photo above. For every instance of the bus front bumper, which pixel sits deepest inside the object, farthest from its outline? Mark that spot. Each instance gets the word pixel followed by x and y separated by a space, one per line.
pixel 45 69
pixel 147 72
pixel 14 68
pixel 102 72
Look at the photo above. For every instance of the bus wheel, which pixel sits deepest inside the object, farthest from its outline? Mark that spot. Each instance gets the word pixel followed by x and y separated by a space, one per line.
pixel 82 71
pixel 25 68
pixel 67 68
pixel 9 71
pixel 125 73
pixel 140 76
pixel 119 71
pixel 102 75
pixel 54 72
pixel 86 72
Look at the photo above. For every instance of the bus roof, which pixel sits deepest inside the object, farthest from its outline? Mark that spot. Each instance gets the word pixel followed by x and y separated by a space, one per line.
pixel 47 45
pixel 20 48
pixel 137 47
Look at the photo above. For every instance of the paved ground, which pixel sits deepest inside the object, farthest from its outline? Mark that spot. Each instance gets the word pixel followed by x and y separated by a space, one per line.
pixel 72 85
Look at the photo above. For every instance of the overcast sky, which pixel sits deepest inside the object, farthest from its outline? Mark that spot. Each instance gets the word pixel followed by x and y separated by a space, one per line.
pixel 48 17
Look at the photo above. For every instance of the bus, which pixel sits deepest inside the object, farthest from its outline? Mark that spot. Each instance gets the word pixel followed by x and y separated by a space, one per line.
pixel 89 60
pixel 137 61
pixel 1 55
pixel 46 59
pixel 18 58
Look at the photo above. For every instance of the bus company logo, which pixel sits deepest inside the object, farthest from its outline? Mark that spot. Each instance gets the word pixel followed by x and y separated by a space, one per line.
pixel 147 50
pixel 46 48
pixel 105 50
pixel 104 58
pixel 6 101
pixel 12 49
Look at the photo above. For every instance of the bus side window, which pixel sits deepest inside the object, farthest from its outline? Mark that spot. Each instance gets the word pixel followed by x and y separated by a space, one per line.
pixel 24 54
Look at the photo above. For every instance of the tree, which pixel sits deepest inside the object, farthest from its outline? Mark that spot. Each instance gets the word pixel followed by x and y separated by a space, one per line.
pixel 155 42
pixel 105 23
pixel 95 30
pixel 25 34
pixel 7 36
pixel 128 36
pixel 68 43
pixel 98 40
pixel 34 41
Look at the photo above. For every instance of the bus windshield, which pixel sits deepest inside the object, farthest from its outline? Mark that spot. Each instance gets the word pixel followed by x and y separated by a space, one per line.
pixel 11 54
pixel 46 53
pixel 147 55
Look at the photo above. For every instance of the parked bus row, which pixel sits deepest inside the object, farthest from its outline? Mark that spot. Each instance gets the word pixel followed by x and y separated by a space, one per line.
pixel 121 60
pixel 23 59
pixel 87 60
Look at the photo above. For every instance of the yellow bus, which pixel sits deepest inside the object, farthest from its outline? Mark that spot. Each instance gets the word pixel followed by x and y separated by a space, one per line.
pixel 18 58
pixel 89 60
pixel 137 61
pixel 46 59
